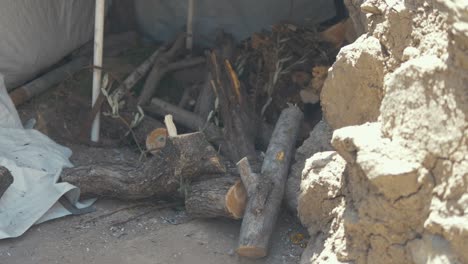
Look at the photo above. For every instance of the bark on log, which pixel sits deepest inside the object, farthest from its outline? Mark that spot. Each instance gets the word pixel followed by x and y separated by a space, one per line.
pixel 240 124
pixel 160 71
pixel 135 76
pixel 194 122
pixel 185 118
pixel 183 159
pixel 265 190
pixel 155 74
pixel 162 65
pixel 219 197
pixel 5 180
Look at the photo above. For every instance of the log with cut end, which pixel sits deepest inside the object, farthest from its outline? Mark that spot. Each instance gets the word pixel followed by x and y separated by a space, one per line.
pixel 5 180
pixel 185 118
pixel 239 120
pixel 156 140
pixel 265 190
pixel 219 197
pixel 135 76
pixel 183 158
pixel 38 86
pixel 146 126
pixel 160 71
pixel 194 122
pixel 164 64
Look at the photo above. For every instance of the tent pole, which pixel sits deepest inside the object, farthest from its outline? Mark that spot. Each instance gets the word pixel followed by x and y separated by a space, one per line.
pixel 189 40
pixel 97 69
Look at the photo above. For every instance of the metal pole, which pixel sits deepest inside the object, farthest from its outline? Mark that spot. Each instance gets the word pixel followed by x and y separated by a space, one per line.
pixel 97 72
pixel 189 40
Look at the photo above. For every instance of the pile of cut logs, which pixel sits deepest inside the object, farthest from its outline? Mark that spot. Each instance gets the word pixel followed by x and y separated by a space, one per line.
pixel 218 169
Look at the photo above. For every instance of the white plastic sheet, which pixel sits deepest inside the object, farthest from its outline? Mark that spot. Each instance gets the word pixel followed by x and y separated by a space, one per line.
pixel 36 34
pixel 35 162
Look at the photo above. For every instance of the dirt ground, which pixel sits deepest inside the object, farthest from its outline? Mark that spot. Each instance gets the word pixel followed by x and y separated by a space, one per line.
pixel 158 237
pixel 127 232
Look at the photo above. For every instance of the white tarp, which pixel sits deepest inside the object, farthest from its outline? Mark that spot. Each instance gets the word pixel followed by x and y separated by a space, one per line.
pixel 162 19
pixel 36 34
pixel 35 162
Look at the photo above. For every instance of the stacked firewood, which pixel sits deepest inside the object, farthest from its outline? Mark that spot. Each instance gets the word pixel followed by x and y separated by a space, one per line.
pixel 251 101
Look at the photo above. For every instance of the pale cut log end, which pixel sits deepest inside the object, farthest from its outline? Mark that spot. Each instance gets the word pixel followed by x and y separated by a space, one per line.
pixel 251 252
pixel 170 126
pixel 236 200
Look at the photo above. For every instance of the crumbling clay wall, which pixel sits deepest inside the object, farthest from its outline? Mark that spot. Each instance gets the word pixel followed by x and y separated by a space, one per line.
pixel 398 99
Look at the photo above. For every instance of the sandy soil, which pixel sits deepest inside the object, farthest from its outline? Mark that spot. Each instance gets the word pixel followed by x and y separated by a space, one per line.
pixel 159 237
pixel 139 235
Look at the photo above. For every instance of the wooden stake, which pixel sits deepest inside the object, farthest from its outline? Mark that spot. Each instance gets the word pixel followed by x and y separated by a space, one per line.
pixel 265 190
pixel 97 72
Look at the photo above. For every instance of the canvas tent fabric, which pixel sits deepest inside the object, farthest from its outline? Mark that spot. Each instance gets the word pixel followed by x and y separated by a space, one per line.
pixel 163 19
pixel 35 162
pixel 36 34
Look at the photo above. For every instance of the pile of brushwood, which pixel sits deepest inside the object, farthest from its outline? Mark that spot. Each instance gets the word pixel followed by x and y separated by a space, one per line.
pixel 241 125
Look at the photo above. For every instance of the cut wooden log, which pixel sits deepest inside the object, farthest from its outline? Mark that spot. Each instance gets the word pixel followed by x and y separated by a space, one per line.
pixel 186 97
pixel 185 118
pixel 158 72
pixel 5 180
pixel 155 74
pixel 22 94
pixel 135 76
pixel 184 158
pixel 265 190
pixel 194 122
pixel 164 64
pixel 137 135
pixel 239 121
pixel 219 197
pixel 146 126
